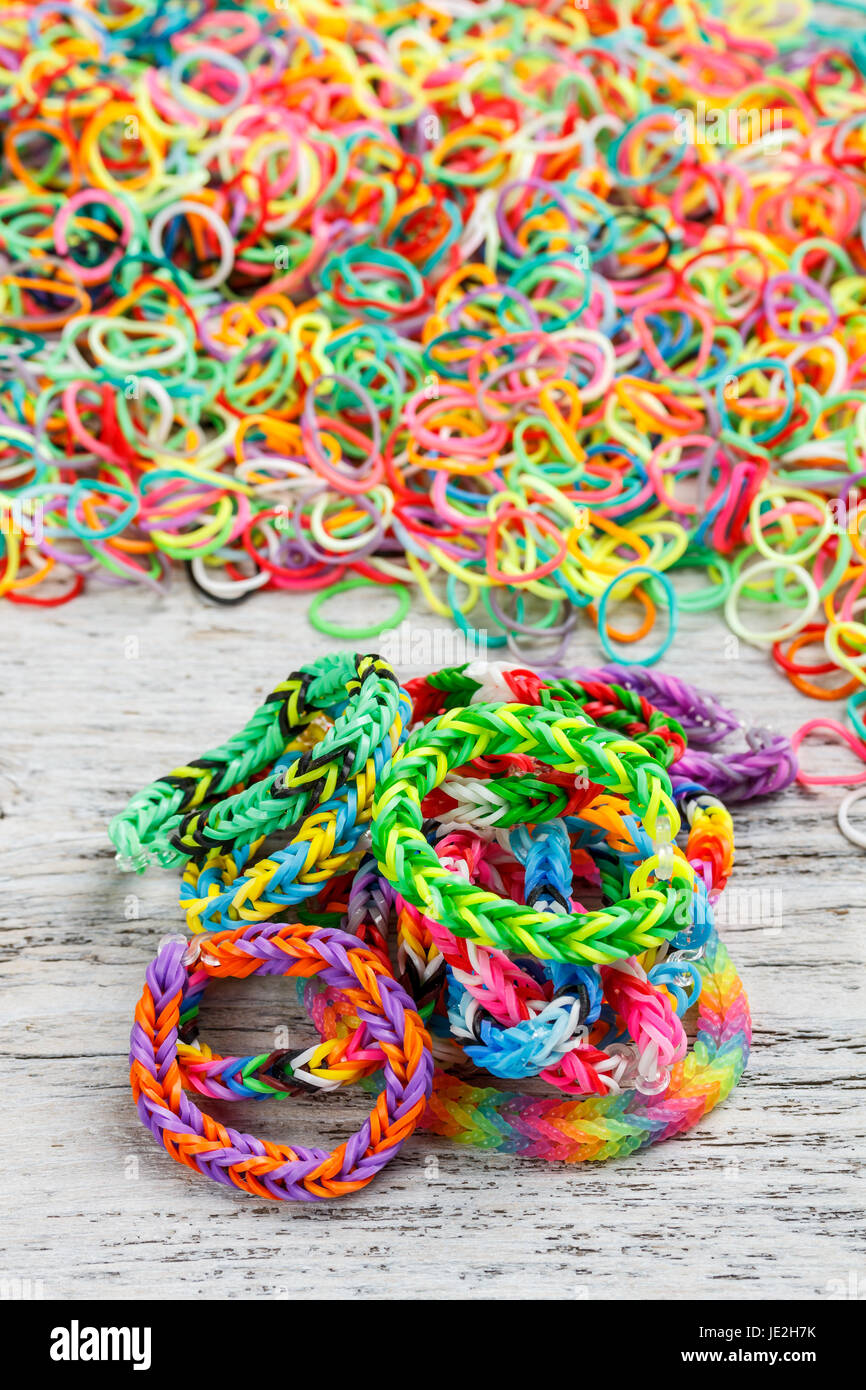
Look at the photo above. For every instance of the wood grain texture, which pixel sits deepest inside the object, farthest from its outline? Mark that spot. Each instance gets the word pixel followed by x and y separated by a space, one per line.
pixel 763 1199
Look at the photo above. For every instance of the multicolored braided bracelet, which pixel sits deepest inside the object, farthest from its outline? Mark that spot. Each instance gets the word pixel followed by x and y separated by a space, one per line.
pixel 175 981
pixel 611 1126
pixel 579 1068
pixel 239 885
pixel 371 721
pixel 766 766
pixel 500 987
pixel 287 711
pixel 571 743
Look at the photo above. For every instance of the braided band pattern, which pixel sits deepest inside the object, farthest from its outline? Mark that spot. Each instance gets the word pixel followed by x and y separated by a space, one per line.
pixel 612 1125
pixel 292 705
pixel 258 1166
pixel 281 801
pixel 572 743
pixel 615 1125
pixel 420 943
pixel 227 886
pixel 501 801
pixel 615 706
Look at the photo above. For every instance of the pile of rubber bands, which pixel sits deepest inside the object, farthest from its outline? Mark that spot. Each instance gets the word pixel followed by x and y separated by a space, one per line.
pixel 522 307
pixel 497 891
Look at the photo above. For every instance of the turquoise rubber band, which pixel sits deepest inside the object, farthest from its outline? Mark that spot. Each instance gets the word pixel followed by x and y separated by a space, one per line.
pixel 657 655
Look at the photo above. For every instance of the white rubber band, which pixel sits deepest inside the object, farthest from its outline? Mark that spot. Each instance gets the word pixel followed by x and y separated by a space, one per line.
pixel 857 837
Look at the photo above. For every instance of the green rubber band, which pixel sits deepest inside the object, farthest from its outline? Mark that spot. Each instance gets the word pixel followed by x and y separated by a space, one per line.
pixel 347 586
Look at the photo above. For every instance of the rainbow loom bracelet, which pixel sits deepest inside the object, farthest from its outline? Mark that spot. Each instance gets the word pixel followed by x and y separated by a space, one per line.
pixel 371 723
pixel 569 742
pixel 290 708
pixel 175 982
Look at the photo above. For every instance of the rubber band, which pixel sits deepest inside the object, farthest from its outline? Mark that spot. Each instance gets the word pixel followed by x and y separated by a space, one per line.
pixel 855 744
pixel 313 303
pixel 605 633
pixel 373 630
pixel 790 629
pixel 856 837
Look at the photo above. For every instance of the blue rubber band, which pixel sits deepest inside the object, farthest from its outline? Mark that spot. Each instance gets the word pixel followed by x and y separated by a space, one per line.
pixel 672 616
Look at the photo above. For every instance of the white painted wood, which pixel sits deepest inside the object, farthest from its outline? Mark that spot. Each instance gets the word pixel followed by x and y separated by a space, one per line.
pixel 763 1199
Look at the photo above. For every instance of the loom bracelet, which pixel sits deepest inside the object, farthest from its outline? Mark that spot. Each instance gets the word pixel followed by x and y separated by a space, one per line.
pixel 502 800
pixel 423 946
pixel 547 865
pixel 499 803
pixel 221 891
pixel 370 721
pixel 612 1065
pixel 616 707
pixel 620 847
pixel 571 743
pixel 616 1125
pixel 767 766
pixel 543 1041
pixel 503 987
pixel 228 886
pixel 241 1076
pixel 334 1062
pixel 543 1036
pixel 293 1173
pixel 287 710
pixel 270 879
pixel 615 840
